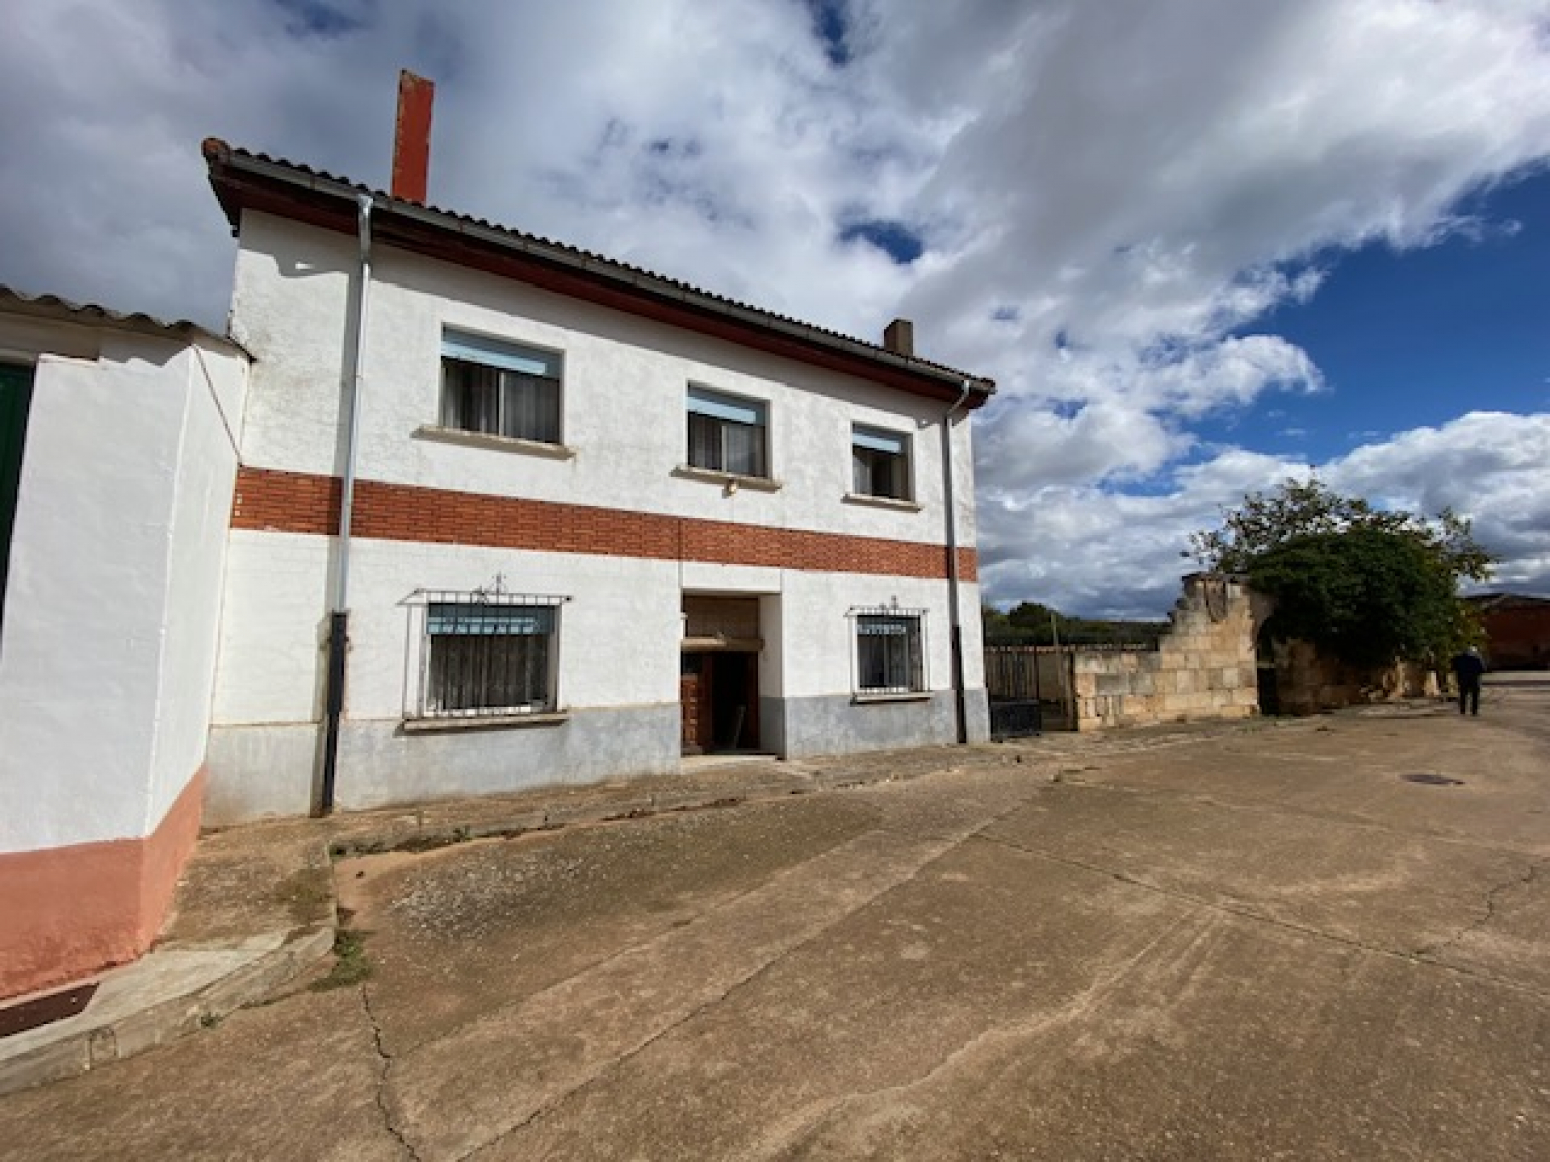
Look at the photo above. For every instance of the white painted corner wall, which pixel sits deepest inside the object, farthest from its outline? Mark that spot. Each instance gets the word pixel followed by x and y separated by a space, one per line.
pixel 113 598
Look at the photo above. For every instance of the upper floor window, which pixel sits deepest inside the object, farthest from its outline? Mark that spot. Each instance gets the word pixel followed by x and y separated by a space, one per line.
pixel 728 434
pixel 880 463
pixel 499 388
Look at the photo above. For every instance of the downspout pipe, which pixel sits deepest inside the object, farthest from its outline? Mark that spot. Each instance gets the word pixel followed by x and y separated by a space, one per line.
pixel 954 600
pixel 339 608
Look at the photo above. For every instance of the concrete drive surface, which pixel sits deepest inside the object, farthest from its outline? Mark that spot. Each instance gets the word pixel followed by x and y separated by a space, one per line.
pixel 1233 944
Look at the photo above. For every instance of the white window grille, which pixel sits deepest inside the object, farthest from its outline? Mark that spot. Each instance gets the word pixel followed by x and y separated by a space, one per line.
pixel 488 653
pixel 880 463
pixel 890 650
pixel 499 389
pixel 727 433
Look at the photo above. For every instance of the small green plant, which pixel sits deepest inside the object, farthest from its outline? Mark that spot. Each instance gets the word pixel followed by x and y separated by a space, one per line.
pixel 351 965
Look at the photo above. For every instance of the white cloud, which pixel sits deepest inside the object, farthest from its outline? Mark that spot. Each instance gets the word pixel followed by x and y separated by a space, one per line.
pixel 1109 197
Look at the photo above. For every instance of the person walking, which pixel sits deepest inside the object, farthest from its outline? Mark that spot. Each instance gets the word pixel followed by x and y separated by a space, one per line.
pixel 1467 668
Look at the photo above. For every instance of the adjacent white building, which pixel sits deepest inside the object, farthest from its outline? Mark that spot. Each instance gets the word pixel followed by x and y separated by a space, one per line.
pixel 118 451
pixel 597 519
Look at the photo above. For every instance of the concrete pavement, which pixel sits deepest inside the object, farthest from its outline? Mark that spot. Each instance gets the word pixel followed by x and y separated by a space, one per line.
pixel 255 906
pixel 1255 943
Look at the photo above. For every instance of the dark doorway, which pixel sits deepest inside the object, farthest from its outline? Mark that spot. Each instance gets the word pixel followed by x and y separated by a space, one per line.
pixel 719 698
pixel 734 702
pixel 15 399
pixel 1265 673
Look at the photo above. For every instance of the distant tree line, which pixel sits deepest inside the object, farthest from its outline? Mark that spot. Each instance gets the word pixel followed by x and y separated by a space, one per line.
pixel 1035 624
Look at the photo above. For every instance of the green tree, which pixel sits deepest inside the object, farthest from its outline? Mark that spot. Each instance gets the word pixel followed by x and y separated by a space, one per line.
pixel 1365 584
pixel 1030 623
pixel 995 624
pixel 1300 508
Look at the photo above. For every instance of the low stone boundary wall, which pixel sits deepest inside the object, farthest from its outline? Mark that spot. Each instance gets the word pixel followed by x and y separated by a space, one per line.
pixel 1203 667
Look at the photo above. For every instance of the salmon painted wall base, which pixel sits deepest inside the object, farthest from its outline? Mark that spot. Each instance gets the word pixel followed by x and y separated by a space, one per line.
pixel 69 912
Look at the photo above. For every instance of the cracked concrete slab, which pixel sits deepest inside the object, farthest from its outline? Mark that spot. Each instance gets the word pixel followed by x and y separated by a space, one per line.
pixel 506 1069
pixel 290 1080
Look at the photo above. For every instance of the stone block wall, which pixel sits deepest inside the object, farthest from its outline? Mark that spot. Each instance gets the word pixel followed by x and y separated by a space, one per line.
pixel 1203 667
pixel 1309 683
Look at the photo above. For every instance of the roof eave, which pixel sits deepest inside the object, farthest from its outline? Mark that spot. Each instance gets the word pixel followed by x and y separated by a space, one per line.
pixel 243 181
pixel 52 308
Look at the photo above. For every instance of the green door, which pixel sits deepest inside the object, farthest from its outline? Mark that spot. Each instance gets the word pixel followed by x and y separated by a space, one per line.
pixel 15 395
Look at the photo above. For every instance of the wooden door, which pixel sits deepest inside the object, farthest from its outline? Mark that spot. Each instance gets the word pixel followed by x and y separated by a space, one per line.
pixel 694 678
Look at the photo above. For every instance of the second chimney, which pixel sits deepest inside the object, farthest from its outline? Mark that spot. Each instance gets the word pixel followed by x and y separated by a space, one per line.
pixel 900 337
pixel 412 137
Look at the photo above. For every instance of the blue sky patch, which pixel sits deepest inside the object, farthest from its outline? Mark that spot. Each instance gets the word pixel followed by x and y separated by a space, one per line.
pixel 1406 338
pixel 893 238
pixel 321 18
pixel 831 24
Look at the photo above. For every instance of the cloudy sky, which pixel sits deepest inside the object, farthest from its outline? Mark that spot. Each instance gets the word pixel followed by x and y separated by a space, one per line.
pixel 1200 244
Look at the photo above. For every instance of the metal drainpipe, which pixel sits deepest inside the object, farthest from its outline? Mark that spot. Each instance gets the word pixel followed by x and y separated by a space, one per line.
pixel 339 615
pixel 954 611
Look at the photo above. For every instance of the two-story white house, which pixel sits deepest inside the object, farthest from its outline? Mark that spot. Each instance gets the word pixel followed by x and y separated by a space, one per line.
pixel 513 514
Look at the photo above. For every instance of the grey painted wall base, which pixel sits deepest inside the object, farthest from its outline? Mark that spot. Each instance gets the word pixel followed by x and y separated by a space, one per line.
pixel 258 771
pixel 976 713
pixel 269 770
pixel 838 724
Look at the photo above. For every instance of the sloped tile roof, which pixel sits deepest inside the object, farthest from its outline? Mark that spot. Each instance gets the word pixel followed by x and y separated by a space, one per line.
pixel 50 306
pixel 237 175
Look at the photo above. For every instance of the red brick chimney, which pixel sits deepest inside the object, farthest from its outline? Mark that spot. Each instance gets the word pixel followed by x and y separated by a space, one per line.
pixel 412 137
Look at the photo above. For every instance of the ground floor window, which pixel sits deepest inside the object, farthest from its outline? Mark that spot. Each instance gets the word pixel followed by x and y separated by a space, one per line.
pixel 488 654
pixel 890 651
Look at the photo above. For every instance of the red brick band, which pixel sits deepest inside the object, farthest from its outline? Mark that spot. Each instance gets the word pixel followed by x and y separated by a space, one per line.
pixel 298 502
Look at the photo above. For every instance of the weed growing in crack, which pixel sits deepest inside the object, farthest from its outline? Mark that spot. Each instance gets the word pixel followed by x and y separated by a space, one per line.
pixel 351 965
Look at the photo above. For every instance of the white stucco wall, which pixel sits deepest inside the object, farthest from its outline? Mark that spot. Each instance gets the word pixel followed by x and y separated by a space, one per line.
pixel 622 405
pixel 106 654
pixel 624 384
pixel 620 625
pixel 200 514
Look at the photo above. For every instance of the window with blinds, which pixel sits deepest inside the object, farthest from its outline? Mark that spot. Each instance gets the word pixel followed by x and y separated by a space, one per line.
pixel 890 653
pixel 488 656
pixel 728 433
pixel 880 463
pixel 499 388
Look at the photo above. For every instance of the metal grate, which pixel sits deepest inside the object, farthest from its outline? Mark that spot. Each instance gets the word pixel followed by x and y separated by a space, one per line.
pixel 1019 718
pixel 890 652
pixel 486 652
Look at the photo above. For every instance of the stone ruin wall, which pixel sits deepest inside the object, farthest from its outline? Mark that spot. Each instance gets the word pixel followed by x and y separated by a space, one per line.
pixel 1310 683
pixel 1202 669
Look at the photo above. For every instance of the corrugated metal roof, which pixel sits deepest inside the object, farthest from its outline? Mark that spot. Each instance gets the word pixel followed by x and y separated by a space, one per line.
pixel 50 306
pixel 219 155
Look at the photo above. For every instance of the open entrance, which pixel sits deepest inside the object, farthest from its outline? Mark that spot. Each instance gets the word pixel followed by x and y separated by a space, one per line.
pixel 719 692
pixel 719 675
